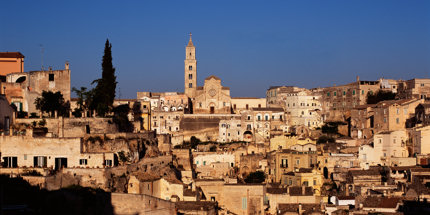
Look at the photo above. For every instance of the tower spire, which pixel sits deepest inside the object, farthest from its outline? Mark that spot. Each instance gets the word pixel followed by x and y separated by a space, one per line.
pixel 190 43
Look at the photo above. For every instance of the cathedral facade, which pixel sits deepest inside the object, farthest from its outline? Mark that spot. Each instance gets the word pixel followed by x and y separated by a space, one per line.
pixel 212 97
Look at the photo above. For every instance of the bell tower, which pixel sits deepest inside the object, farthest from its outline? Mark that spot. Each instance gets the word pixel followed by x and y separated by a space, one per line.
pixel 190 63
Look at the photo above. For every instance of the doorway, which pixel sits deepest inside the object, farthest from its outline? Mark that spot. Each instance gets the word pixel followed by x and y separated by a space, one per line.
pixel 60 163
pixel 212 110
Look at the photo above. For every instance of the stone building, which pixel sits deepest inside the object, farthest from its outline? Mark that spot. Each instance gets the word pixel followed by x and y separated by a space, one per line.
pixel 240 104
pixel 190 67
pixel 268 122
pixel 287 160
pixel 307 177
pixel 386 147
pixel 212 98
pixel 419 137
pixel 22 89
pixel 362 121
pixel 339 100
pixel 275 95
pixel 166 122
pixel 394 114
pixel 54 153
pixel 418 88
pixel 164 188
pixel 6 115
pixel 231 130
pixel 11 62
pixel 304 108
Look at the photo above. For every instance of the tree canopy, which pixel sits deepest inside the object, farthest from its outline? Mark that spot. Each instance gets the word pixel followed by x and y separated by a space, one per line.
pixel 50 102
pixel 104 92
pixel 380 96
pixel 255 177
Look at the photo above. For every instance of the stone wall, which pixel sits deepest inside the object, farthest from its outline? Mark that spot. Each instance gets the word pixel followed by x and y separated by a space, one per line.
pixel 140 204
pixel 75 127
pixel 26 148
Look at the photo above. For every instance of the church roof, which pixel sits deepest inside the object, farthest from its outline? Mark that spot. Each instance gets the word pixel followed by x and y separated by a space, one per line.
pixel 190 43
pixel 212 76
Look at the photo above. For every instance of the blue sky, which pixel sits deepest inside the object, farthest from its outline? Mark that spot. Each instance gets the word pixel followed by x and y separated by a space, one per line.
pixel 250 45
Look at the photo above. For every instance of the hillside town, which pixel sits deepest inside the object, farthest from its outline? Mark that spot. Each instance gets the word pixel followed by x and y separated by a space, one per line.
pixel 358 148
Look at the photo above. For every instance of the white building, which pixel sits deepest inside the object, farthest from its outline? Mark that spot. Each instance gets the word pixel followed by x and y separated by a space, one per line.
pixel 230 130
pixel 206 158
pixel 387 147
pixel 304 108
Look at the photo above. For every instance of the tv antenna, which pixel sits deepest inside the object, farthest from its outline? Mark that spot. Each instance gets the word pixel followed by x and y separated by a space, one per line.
pixel 41 55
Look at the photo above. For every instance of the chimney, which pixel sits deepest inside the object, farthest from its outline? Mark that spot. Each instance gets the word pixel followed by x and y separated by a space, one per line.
pixel 67 65
pixel 300 209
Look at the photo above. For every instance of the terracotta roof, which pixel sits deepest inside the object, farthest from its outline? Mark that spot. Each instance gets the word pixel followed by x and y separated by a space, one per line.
pixel 381 202
pixel 226 88
pixel 268 109
pixel 298 191
pixel 346 197
pixel 196 205
pixel 212 76
pixel 189 192
pixel 11 55
pixel 307 208
pixel 276 190
pixel 365 172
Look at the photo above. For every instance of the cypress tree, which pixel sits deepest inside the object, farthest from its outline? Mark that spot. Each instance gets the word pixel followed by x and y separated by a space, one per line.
pixel 106 86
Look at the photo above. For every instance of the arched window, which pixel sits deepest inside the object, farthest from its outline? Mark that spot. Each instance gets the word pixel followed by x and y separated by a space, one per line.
pixel 190 67
pixel 190 76
pixel 259 117
pixel 190 85
pixel 266 117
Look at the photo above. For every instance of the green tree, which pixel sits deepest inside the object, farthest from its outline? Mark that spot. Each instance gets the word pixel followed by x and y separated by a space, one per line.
pixel 120 118
pixel 104 93
pixel 255 177
pixel 82 102
pixel 50 102
pixel 380 96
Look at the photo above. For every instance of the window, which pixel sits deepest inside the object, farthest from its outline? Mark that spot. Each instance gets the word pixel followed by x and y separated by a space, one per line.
pixel 328 94
pixel 397 120
pixel 266 117
pixel 298 162
pixel 51 77
pixel 10 162
pixel 190 85
pixel 108 162
pixel 190 67
pixel 40 161
pixel 284 163
pixel 213 198
pixel 204 163
pixel 315 182
pixel 344 93
pixel 190 76
pixel 398 111
pixel 362 92
pixel 385 120
pixel 259 117
pixel 244 203
pixel 197 162
pixel 83 161
pixel 353 92
pixel 334 93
